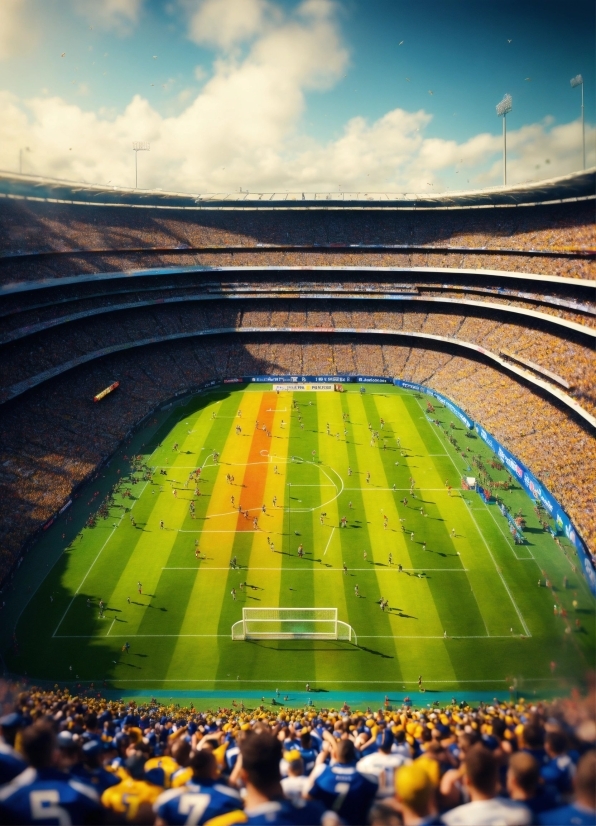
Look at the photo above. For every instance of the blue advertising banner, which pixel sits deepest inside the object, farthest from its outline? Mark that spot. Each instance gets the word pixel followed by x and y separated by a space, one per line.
pixel 538 492
pixel 322 379
pixel 524 476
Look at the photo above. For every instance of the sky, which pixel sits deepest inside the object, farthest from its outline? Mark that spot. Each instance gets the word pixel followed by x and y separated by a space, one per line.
pixel 295 95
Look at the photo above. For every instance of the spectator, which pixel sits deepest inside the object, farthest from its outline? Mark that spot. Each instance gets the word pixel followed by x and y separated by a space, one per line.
pixel 43 793
pixel 415 795
pixel 485 808
pixel 201 798
pixel 340 786
pixel 583 811
pixel 260 755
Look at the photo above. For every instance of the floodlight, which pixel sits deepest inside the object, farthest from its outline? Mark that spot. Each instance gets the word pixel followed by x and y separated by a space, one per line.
pixel 505 106
pixel 139 146
pixel 579 81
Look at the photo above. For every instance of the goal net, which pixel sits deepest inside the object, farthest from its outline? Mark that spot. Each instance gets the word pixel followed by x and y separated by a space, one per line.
pixel 293 624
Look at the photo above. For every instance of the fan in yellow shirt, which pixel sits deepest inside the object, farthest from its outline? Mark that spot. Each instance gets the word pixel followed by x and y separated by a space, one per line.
pixel 134 796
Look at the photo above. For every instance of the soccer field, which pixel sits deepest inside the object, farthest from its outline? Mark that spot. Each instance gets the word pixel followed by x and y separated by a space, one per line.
pixel 465 612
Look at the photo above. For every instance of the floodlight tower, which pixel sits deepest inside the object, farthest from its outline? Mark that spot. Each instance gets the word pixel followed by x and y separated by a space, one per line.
pixel 579 81
pixel 503 108
pixel 139 146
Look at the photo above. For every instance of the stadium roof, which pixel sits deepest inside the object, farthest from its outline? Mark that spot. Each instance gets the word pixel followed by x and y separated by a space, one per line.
pixel 580 185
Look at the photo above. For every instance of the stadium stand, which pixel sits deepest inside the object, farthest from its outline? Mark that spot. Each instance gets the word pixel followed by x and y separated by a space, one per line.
pixel 515 283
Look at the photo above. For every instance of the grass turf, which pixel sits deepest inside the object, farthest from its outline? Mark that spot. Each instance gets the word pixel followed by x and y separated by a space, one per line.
pixel 477 586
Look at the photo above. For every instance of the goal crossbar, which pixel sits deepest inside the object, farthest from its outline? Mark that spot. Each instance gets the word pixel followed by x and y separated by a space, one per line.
pixel 292 623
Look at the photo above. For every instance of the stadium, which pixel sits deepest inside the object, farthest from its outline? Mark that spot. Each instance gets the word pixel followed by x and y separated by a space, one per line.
pixel 299 451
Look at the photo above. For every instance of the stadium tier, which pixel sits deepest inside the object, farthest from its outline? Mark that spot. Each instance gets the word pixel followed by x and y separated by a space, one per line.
pixel 276 463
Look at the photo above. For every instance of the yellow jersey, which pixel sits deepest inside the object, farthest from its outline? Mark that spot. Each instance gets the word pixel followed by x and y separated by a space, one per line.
pixel 129 796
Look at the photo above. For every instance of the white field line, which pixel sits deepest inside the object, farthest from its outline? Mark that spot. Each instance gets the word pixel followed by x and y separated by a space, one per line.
pixel 372 570
pixel 398 490
pixel 111 626
pixel 360 637
pixel 312 681
pixel 96 558
pixel 328 543
pixel 519 558
pixel 513 602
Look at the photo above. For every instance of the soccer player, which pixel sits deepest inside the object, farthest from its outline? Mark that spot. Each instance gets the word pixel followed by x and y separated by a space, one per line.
pixel 365 556
pixel 368 476
pixel 233 593
pixel 356 592
pixel 161 524
pixel 345 568
pixel 140 587
pixel 200 799
pixel 300 551
pixel 341 787
pixel 43 793
pixel 390 559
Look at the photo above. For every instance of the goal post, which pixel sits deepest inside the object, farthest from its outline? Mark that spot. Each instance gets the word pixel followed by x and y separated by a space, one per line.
pixel 292 624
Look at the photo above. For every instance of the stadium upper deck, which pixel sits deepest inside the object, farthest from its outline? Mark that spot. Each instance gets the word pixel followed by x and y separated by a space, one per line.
pixel 568 187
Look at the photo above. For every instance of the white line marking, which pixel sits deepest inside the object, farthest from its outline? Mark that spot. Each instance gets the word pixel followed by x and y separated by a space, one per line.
pixel 328 542
pixel 513 602
pixel 360 637
pixel 372 569
pixel 313 681
pixel 96 558
pixel 110 628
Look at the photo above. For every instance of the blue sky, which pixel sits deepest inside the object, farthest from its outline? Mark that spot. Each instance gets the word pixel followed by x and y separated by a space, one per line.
pixel 288 94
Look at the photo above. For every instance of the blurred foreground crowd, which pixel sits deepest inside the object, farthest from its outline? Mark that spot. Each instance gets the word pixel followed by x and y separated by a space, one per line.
pixel 75 759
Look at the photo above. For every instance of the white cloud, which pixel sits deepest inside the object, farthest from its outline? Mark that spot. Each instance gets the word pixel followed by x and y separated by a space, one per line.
pixel 18 28
pixel 119 16
pixel 242 130
pixel 224 23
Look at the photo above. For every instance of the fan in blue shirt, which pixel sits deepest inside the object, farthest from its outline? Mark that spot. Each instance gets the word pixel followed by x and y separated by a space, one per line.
pixel 201 799
pixel 43 794
pixel 265 804
pixel 342 788
pixel 583 811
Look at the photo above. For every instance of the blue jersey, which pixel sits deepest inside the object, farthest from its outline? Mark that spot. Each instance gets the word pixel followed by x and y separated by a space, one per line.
pixel 196 803
pixel 48 796
pixel 99 779
pixel 558 773
pixel 573 815
pixel 309 757
pixel 11 763
pixel 285 813
pixel 345 790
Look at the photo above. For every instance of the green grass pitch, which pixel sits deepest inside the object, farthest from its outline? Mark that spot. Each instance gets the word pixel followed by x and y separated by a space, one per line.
pixel 465 613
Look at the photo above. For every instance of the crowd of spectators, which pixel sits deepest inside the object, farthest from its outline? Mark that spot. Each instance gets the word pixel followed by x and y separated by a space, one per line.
pixel 124 238
pixel 53 437
pixel 33 268
pixel 564 353
pixel 24 314
pixel 81 759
